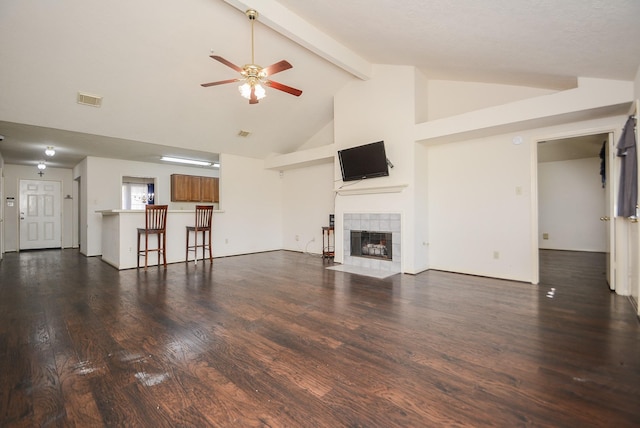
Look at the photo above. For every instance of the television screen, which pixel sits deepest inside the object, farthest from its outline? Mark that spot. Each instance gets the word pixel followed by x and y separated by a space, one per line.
pixel 362 162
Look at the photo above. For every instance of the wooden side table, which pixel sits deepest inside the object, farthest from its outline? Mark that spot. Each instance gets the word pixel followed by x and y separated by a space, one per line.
pixel 328 242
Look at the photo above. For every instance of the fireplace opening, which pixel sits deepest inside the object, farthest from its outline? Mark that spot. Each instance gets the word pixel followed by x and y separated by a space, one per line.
pixel 371 244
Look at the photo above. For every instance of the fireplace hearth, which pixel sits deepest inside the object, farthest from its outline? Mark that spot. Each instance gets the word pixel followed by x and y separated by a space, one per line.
pixel 377 245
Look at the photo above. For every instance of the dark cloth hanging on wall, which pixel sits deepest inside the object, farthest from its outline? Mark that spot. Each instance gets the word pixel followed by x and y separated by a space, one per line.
pixel 603 164
pixel 628 196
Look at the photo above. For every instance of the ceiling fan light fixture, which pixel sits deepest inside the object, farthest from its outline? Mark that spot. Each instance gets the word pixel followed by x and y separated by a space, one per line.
pixel 254 76
pixel 245 90
pixel 50 151
pixel 42 165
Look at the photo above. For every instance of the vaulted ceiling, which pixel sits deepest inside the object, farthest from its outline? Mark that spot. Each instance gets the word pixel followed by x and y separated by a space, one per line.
pixel 148 58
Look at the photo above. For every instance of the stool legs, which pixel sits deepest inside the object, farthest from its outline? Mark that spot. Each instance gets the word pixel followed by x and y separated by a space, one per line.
pixel 161 248
pixel 205 234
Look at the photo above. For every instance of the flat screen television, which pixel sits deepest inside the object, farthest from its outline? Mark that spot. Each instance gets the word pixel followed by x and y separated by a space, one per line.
pixel 360 162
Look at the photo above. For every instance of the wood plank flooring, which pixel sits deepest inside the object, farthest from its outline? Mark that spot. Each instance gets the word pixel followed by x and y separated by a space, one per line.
pixel 276 340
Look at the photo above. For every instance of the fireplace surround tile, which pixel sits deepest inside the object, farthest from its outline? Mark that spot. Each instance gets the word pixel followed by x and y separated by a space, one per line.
pixel 373 222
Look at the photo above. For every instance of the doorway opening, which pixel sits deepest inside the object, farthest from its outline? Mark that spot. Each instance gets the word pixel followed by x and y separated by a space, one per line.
pixel 574 194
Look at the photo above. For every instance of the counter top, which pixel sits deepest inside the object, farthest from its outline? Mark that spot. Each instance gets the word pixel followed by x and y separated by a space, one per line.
pixel 112 212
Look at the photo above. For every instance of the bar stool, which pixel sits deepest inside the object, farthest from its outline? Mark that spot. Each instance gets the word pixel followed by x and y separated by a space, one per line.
pixel 155 223
pixel 204 216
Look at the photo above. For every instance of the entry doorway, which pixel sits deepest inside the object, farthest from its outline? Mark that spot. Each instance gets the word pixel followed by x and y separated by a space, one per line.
pixel 40 214
pixel 575 181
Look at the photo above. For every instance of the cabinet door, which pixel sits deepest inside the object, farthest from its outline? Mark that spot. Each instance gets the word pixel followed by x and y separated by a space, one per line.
pixel 195 188
pixel 216 190
pixel 180 188
pixel 207 189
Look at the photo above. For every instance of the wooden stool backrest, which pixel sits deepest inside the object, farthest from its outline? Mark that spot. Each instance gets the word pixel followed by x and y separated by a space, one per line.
pixel 155 217
pixel 204 215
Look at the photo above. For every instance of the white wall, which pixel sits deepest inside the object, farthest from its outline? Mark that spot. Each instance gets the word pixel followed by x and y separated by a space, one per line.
pixel 450 98
pixel 481 200
pixel 321 138
pixel 12 176
pixel 421 197
pixel 571 201
pixel 381 108
pixel 252 199
pixel 308 200
pixel 475 209
pixel 81 176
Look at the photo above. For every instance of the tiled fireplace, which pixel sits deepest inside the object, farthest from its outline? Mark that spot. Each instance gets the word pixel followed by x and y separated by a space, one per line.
pixel 372 240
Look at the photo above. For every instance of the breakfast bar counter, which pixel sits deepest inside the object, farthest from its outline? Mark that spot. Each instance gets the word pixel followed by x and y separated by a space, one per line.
pixel 119 236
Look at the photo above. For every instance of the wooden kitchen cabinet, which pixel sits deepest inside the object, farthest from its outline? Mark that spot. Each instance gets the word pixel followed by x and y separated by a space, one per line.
pixel 180 188
pixel 193 188
pixel 207 189
pixel 216 189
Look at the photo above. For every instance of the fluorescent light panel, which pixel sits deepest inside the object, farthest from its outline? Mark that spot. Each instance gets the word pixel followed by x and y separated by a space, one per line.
pixel 187 161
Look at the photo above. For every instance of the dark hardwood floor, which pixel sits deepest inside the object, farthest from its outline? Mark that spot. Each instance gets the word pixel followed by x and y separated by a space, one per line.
pixel 274 339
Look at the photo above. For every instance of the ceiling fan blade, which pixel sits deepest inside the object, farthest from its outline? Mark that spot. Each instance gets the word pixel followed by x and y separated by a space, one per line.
pixel 227 63
pixel 253 99
pixel 276 68
pixel 284 88
pixel 221 82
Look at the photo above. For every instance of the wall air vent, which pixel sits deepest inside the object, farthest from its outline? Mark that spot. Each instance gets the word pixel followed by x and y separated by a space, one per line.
pixel 89 100
pixel 244 133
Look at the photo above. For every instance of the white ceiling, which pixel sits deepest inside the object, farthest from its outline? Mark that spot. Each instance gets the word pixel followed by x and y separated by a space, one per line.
pixel 147 59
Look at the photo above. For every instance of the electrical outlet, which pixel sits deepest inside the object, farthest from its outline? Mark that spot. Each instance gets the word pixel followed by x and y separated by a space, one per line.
pixel 496 255
pixel 297 237
pixel 313 239
pixel 545 236
pixel 226 240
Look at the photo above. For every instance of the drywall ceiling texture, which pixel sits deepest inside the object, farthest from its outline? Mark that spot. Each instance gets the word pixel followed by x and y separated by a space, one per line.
pixel 543 43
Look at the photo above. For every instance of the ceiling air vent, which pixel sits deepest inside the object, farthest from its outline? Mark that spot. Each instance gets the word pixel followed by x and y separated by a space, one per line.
pixel 89 100
pixel 244 133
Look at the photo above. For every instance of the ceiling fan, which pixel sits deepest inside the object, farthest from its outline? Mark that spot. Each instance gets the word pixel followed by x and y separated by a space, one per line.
pixel 254 76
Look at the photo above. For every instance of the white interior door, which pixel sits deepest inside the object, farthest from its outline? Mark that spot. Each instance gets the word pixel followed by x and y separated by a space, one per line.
pixel 40 214
pixel 610 203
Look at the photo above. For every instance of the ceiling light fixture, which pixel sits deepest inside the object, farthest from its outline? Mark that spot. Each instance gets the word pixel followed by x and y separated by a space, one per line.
pixel 258 90
pixel 50 151
pixel 216 165
pixel 254 77
pixel 187 161
pixel 42 165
